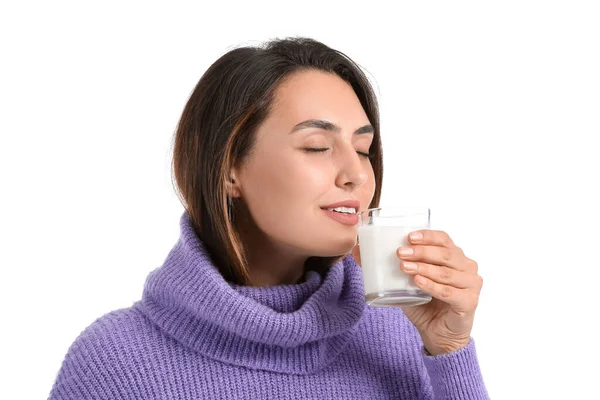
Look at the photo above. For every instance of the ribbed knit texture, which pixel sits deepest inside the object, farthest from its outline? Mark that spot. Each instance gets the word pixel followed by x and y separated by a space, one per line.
pixel 194 335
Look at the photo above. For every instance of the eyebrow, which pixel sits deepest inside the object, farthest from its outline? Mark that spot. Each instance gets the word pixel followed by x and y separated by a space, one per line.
pixel 328 126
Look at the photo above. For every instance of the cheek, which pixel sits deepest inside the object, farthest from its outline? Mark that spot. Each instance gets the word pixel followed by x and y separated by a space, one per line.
pixel 284 183
pixel 299 184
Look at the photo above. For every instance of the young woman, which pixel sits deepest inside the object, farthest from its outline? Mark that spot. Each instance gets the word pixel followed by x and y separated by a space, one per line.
pixel 262 296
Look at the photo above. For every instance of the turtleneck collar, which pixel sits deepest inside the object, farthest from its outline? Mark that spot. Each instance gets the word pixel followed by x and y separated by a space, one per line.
pixel 295 329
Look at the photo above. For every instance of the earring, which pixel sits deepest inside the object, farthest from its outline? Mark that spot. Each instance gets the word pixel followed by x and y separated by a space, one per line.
pixel 230 208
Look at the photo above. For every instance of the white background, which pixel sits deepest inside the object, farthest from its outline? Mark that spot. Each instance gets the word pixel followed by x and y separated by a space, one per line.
pixel 490 115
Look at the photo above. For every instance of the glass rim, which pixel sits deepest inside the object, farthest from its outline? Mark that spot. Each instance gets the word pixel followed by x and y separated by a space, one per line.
pixel 412 210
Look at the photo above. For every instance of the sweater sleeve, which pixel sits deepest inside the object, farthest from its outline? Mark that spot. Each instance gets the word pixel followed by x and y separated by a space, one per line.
pixel 86 372
pixel 456 375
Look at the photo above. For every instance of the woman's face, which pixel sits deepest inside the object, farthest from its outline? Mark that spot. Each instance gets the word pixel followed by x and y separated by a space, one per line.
pixel 285 187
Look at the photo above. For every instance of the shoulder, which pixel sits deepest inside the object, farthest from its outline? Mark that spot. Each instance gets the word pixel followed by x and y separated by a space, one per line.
pixel 96 363
pixel 118 328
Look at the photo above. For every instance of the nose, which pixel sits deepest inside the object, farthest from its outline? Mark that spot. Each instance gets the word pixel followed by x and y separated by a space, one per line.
pixel 352 170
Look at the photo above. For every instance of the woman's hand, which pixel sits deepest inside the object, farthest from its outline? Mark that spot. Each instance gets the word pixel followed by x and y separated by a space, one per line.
pixel 441 269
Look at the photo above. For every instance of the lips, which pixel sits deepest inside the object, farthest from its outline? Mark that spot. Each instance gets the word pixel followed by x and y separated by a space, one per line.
pixel 346 219
pixel 345 203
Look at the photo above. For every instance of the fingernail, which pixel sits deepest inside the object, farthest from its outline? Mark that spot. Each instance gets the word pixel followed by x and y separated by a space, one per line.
pixel 416 236
pixel 410 267
pixel 406 251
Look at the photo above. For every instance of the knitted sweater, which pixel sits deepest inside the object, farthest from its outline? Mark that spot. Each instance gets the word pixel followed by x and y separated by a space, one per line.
pixel 194 335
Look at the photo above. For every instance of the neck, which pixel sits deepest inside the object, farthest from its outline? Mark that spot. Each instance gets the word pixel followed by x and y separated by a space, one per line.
pixel 270 264
pixel 264 277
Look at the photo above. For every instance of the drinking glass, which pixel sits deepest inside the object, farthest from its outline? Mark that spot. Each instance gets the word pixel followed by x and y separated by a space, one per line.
pixel 380 232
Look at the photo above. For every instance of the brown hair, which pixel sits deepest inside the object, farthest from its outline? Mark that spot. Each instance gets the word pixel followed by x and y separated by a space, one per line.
pixel 217 130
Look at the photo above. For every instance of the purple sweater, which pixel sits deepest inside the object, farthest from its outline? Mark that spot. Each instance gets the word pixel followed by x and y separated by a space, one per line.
pixel 194 335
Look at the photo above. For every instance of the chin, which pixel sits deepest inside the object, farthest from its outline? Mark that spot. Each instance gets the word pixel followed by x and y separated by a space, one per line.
pixel 334 247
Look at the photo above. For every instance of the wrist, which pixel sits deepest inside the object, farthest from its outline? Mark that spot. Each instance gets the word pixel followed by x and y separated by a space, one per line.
pixel 436 350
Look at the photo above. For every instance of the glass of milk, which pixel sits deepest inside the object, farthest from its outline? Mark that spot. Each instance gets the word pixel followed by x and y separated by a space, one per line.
pixel 380 232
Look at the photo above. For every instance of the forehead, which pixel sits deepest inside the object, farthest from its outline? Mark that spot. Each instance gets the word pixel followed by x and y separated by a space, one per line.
pixel 320 95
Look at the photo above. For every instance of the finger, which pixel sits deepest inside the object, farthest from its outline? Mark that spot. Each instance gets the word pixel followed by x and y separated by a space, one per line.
pixel 431 237
pixel 443 275
pixel 436 255
pixel 460 299
pixel 442 239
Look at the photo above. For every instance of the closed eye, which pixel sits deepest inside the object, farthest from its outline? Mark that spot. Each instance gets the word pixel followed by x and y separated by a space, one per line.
pixel 320 150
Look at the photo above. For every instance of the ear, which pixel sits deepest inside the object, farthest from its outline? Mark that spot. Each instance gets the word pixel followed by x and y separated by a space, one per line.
pixel 232 185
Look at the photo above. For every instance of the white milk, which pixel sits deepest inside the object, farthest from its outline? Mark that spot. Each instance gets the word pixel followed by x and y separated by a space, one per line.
pixel 381 266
